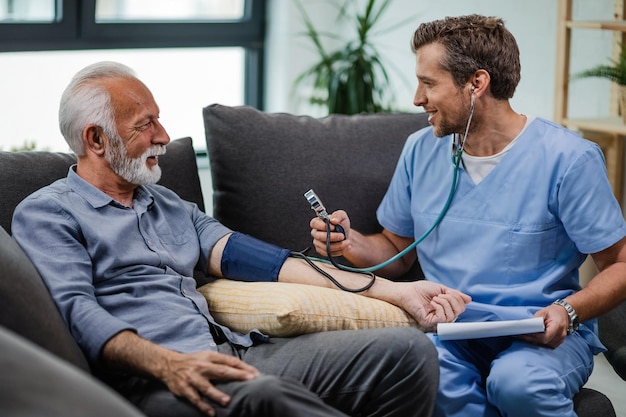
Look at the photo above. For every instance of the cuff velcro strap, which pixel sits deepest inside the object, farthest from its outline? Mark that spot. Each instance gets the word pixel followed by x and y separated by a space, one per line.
pixel 246 258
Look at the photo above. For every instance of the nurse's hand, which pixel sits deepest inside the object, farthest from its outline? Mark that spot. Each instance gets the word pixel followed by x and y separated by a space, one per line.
pixel 556 321
pixel 338 240
pixel 430 303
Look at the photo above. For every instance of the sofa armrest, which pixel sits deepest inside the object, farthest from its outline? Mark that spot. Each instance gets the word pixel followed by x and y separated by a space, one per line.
pixel 36 383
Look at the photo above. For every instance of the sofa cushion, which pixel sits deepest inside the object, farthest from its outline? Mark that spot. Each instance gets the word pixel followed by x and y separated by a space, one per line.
pixel 283 310
pixel 180 171
pixel 23 173
pixel 263 163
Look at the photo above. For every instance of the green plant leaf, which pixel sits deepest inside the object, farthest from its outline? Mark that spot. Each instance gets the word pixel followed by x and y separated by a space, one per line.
pixel 352 78
pixel 615 73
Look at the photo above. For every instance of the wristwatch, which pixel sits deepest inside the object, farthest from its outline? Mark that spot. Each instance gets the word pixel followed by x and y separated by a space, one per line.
pixel 573 317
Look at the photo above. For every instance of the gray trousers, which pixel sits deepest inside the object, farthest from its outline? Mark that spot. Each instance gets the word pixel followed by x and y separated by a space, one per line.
pixel 378 372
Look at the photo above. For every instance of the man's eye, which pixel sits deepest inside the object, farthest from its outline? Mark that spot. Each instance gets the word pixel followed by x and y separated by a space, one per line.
pixel 145 126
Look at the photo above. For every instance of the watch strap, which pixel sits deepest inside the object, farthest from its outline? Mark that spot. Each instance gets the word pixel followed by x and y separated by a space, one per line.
pixel 573 317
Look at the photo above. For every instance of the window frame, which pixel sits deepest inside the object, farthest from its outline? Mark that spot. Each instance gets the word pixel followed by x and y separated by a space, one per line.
pixel 77 30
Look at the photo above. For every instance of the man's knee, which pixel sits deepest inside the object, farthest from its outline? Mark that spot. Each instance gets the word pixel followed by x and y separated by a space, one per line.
pixel 515 385
pixel 409 345
pixel 269 395
pixel 261 390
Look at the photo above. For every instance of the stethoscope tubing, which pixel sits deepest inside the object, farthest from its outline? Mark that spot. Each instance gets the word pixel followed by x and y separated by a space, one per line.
pixel 456 159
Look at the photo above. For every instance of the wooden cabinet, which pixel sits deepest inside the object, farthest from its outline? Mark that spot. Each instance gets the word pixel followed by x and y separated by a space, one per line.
pixel 609 132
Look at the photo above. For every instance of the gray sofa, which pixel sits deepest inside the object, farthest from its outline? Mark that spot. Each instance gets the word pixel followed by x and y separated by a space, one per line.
pixel 261 166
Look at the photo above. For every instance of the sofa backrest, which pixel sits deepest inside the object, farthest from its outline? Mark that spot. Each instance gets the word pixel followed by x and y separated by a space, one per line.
pixel 25 304
pixel 22 173
pixel 263 163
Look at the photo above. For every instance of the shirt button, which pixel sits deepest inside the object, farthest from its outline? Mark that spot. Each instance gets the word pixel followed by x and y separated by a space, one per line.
pixel 184 292
pixel 212 344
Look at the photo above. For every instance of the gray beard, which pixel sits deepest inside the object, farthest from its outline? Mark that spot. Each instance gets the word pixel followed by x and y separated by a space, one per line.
pixel 133 170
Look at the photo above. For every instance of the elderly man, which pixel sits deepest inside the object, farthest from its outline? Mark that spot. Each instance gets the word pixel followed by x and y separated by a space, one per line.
pixel 118 252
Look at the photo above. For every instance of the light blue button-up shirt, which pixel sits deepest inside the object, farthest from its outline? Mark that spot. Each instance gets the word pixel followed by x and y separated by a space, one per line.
pixel 111 268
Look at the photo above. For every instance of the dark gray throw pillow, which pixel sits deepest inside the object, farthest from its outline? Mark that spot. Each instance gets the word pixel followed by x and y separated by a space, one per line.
pixel 263 163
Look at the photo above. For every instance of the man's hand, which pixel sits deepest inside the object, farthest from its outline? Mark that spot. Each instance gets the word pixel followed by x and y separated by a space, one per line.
pixel 186 375
pixel 190 376
pixel 430 303
pixel 556 321
pixel 338 241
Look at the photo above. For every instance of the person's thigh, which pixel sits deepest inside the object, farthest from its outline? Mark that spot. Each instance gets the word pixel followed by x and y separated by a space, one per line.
pixel 526 379
pixel 387 372
pixel 272 396
pixel 391 371
pixel 464 365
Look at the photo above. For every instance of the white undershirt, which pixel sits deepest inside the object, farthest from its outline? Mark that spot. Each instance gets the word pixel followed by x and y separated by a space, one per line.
pixel 478 167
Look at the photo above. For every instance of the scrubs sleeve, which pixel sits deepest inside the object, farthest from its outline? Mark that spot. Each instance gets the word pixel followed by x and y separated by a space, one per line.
pixel 394 212
pixel 588 209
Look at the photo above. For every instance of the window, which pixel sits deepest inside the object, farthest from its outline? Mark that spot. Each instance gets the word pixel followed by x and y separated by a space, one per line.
pixel 190 53
pixel 14 11
pixel 111 11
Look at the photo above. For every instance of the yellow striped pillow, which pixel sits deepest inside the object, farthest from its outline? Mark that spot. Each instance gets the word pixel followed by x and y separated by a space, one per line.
pixel 283 309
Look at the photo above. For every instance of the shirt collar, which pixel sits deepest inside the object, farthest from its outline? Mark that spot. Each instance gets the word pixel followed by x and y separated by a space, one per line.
pixel 94 196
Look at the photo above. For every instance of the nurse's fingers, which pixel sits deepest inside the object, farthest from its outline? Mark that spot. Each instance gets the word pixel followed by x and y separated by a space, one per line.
pixel 449 305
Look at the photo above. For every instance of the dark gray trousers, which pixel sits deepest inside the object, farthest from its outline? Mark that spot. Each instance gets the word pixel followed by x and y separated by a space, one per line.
pixel 378 372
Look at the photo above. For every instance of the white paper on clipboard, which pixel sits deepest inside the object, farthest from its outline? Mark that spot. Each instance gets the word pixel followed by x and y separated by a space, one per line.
pixel 476 330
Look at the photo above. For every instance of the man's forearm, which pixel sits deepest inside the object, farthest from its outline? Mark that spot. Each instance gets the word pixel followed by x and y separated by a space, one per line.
pixel 130 352
pixel 297 271
pixel 427 302
pixel 608 286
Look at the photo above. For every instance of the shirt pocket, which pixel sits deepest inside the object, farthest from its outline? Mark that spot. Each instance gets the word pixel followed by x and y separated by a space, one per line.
pixel 170 238
pixel 530 252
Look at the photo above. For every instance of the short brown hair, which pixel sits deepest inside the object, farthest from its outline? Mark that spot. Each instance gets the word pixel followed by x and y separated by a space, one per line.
pixel 475 42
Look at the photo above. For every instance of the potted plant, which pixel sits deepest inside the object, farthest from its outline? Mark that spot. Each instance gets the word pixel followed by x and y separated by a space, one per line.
pixel 351 79
pixel 615 73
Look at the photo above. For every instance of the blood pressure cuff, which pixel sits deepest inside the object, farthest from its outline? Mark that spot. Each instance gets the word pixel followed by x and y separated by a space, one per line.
pixel 246 258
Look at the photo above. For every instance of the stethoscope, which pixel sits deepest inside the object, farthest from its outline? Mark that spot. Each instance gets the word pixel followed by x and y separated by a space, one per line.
pixel 457 151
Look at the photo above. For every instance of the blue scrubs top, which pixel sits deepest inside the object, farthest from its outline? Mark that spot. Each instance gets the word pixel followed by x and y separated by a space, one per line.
pixel 515 241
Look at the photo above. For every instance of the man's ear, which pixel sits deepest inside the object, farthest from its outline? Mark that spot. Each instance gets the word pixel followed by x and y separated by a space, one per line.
pixel 94 139
pixel 480 80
